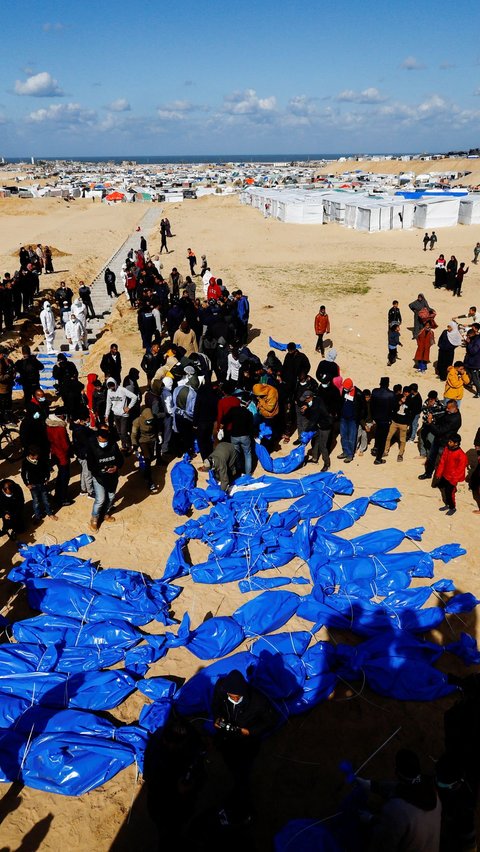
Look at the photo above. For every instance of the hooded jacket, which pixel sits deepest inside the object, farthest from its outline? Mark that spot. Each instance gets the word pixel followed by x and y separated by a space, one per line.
pixel 255 713
pixel 60 446
pixel 144 432
pixel 455 384
pixel 267 400
pixel 47 318
pixel 119 399
pixel 452 465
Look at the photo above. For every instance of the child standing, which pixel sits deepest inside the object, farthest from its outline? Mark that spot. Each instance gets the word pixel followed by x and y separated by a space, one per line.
pixel 393 342
pixel 450 471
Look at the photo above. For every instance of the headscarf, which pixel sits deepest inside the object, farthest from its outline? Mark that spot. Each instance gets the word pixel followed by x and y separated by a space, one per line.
pixel 454 336
pixel 267 400
pixel 331 354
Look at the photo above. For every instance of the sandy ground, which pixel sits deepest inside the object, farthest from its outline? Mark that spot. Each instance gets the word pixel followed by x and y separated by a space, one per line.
pixel 287 271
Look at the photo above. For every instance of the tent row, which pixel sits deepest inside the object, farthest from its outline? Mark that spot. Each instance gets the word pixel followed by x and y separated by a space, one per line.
pixel 364 212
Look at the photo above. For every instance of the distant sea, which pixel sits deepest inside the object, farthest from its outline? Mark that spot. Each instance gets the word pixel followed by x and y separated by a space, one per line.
pixel 193 158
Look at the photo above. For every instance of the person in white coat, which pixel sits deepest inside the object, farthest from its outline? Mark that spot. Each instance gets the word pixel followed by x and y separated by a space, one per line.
pixel 79 309
pixel 74 333
pixel 48 324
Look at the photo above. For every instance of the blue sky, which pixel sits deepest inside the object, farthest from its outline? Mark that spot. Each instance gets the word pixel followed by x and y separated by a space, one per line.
pixel 253 77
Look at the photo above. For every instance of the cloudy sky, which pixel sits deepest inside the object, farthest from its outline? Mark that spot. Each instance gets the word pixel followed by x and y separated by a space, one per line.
pixel 257 77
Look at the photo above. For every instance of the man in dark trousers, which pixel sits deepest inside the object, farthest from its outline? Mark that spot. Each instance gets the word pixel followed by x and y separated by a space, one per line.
pixel 12 504
pixel 111 364
pixel 28 368
pixel 104 461
pixel 320 421
pixel 382 407
pixel 110 279
pixel 85 294
pixel 243 715
pixel 294 363
pixel 442 429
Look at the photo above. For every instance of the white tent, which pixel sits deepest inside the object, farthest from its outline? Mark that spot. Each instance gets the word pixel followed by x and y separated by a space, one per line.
pixel 469 210
pixel 436 212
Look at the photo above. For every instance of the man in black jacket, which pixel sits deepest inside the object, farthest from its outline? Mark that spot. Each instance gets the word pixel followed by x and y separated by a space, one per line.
pixel 12 503
pixel 152 361
pixel 294 363
pixel 111 364
pixel 382 407
pixel 28 368
pixel 442 429
pixel 104 461
pixel 321 421
pixel 242 715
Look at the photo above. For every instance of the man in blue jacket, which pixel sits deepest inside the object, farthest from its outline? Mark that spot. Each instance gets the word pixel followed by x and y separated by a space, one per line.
pixel 243 314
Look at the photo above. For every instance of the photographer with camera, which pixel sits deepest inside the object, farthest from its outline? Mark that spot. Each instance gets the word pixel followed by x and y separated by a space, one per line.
pixel 243 715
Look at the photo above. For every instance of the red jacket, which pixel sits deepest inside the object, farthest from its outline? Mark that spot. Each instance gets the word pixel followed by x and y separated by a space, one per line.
pixel 59 444
pixel 214 291
pixel 452 465
pixel 322 324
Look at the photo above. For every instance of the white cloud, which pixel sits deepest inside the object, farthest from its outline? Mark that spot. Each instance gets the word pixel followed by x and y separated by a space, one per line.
pixel 120 105
pixel 55 26
pixel 69 115
pixel 247 103
pixel 411 63
pixel 367 96
pixel 176 111
pixel 41 85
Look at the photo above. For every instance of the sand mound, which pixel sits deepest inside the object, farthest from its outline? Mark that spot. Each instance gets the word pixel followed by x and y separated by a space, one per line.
pixel 56 252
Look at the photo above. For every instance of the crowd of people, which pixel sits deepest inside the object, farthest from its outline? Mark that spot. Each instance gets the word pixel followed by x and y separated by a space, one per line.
pixel 206 392
pixel 199 388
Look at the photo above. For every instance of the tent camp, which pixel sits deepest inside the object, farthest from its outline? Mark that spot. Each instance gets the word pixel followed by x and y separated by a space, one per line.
pixel 435 212
pixel 469 211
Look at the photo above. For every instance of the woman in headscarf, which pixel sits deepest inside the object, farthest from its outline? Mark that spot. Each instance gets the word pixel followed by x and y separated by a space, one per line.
pixel 48 324
pixel 452 269
pixel 449 339
pixel 418 305
pixel 425 339
pixel 440 272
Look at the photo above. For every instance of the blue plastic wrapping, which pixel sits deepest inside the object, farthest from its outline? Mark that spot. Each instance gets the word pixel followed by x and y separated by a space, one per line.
pixel 283 643
pixel 267 612
pixel 216 637
pixel 183 476
pixel 72 764
pixel 282 347
pixel 102 690
pixel 155 716
pixel 52 596
pixel 157 687
pixel 462 603
pixel 283 464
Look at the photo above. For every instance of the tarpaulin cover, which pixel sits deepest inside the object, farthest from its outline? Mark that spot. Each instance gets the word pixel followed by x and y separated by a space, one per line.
pixel 282 347
pixel 72 764
pixel 58 670
pixel 267 612
pixel 183 476
pixel 284 464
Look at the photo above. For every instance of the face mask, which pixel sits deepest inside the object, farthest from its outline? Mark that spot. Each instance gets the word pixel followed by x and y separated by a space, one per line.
pixel 42 399
pixel 310 403
pixel 103 444
pixel 33 461
pixel 149 421
pixel 235 701
pixel 5 494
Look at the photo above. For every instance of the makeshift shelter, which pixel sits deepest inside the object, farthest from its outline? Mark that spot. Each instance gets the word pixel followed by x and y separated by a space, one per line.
pixel 115 197
pixel 436 212
pixel 469 213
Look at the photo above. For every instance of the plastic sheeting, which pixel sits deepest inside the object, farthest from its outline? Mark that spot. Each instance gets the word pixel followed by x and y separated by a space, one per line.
pixel 57 672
